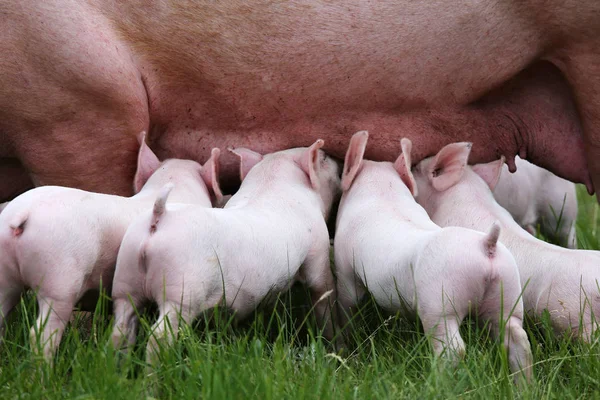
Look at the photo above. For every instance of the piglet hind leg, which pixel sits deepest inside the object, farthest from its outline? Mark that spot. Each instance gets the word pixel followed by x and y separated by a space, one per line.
pixel 515 342
pixel 46 334
pixel 126 322
pixel 166 328
pixel 318 277
pixel 350 291
pixel 128 291
pixel 9 297
pixel 504 312
pixel 584 318
pixel 442 324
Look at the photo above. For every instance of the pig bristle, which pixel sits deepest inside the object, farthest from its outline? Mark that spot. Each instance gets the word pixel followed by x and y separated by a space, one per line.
pixel 159 205
pixel 491 240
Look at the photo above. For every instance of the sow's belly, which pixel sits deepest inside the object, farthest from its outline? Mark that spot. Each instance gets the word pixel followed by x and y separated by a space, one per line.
pixel 532 115
pixel 280 74
pixel 274 75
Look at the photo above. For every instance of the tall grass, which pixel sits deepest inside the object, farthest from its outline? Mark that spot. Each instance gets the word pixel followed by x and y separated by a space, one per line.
pixel 276 354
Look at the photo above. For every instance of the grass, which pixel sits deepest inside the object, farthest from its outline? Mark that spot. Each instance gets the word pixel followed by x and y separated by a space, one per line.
pixel 275 355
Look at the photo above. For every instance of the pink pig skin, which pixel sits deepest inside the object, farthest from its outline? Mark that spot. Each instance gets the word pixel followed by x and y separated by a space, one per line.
pixel 79 79
pixel 533 195
pixel 272 232
pixel 562 281
pixel 63 242
pixel 386 244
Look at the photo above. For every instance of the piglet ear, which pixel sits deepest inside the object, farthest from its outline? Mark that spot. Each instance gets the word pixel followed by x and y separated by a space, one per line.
pixel 354 157
pixel 147 163
pixel 449 164
pixel 248 159
pixel 210 175
pixel 309 162
pixel 490 172
pixel 403 164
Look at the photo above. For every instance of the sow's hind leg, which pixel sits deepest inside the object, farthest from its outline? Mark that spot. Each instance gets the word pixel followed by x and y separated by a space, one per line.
pixel 72 104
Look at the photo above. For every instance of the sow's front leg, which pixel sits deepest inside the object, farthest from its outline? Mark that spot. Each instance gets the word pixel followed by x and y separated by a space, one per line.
pixel 72 102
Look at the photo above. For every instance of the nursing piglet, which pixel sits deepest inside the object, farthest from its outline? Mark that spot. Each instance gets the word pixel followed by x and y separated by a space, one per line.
pixel 562 281
pixel 272 232
pixel 533 195
pixel 386 244
pixel 63 242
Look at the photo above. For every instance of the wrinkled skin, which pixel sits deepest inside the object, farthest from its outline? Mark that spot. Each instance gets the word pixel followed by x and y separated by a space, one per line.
pixel 81 79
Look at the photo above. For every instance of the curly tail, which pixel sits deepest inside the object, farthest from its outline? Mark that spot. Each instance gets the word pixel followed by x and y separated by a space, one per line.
pixel 159 205
pixel 491 240
pixel 17 223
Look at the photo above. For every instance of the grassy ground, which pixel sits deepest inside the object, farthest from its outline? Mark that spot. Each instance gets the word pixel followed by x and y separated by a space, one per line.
pixel 275 355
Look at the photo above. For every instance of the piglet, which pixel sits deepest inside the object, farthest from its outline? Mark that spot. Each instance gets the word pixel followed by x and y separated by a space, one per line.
pixel 386 244
pixel 562 281
pixel 533 195
pixel 189 259
pixel 63 242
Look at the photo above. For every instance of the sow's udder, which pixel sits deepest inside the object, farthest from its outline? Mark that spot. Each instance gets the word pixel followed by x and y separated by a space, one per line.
pixel 532 115
pixel 272 84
